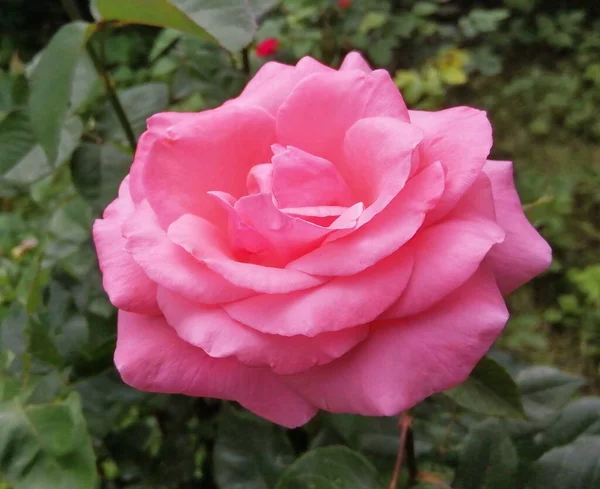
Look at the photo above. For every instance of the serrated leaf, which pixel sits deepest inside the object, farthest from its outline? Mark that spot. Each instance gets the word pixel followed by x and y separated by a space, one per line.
pixel 545 389
pixel 330 468
pixel 34 164
pixel 46 446
pixel 51 84
pixel 489 390
pixel 16 139
pixel 488 459
pixel 576 466
pixel 250 453
pixel 97 171
pixel 232 23
pixel 579 418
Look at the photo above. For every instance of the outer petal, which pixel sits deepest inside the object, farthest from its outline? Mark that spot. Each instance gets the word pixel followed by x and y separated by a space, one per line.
pixel 170 265
pixel 460 138
pixel 448 253
pixel 342 303
pixel 319 111
pixel 355 61
pixel 151 357
pixel 406 360
pixel 386 233
pixel 220 336
pixel 158 125
pixel 196 155
pixel 524 253
pixel 274 81
pixel 203 241
pixel 126 284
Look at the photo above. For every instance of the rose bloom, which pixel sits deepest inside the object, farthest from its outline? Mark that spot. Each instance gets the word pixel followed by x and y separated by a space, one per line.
pixel 268 47
pixel 312 244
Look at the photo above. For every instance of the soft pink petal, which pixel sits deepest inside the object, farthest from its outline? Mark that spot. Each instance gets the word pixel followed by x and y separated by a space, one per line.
pixel 379 154
pixel 448 253
pixel 196 155
pixel 274 81
pixel 205 243
pixel 220 336
pixel 260 179
pixel 524 253
pixel 355 61
pixel 126 284
pixel 243 239
pixel 288 236
pixel 386 233
pixel 170 265
pixel 319 111
pixel 406 360
pixel 301 179
pixel 342 303
pixel 460 138
pixel 151 357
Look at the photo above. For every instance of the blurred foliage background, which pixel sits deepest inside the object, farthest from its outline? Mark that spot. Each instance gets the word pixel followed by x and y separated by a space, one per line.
pixel 65 416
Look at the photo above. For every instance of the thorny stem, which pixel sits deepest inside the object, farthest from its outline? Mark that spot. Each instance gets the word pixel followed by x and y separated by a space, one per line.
pixel 404 424
pixel 71 9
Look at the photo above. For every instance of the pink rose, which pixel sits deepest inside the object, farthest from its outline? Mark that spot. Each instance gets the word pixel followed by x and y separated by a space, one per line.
pixel 312 244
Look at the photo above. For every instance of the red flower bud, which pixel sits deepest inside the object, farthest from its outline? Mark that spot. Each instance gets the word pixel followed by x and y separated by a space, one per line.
pixel 268 47
pixel 344 3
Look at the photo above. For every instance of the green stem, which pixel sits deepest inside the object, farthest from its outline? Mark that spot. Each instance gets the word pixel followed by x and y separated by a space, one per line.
pixel 246 62
pixel 71 9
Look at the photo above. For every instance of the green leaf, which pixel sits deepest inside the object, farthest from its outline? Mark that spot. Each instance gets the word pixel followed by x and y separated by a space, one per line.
pixel 232 23
pixel 489 390
pixel 250 453
pixel 330 468
pixel 97 171
pixel 575 466
pixel 46 446
pixel 16 139
pixel 488 459
pixel 372 21
pixel 51 84
pixel 579 418
pixel 139 103
pixel 545 389
pixel 33 165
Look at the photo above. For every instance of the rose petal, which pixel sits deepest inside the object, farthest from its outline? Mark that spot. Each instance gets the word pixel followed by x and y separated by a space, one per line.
pixel 220 336
pixel 342 303
pixel 170 265
pixel 322 107
pixel 274 81
pixel 205 243
pixel 406 360
pixel 355 61
pixel 195 156
pixel 301 179
pixel 386 233
pixel 460 138
pixel 126 284
pixel 448 253
pixel 151 357
pixel 524 253
pixel 378 158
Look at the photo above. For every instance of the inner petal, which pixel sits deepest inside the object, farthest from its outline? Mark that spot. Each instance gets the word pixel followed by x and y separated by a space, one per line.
pixel 301 179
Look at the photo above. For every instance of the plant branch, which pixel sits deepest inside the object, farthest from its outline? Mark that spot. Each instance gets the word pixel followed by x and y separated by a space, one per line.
pixel 246 62
pixel 71 9
pixel 405 436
